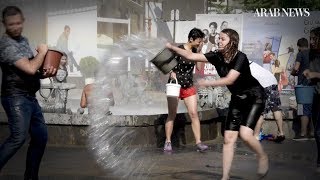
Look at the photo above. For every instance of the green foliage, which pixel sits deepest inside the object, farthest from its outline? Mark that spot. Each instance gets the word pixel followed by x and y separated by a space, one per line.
pixel 251 5
pixel 220 8
pixel 88 66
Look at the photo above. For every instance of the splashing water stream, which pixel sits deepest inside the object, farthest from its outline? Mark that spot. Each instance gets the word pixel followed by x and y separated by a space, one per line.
pixel 112 144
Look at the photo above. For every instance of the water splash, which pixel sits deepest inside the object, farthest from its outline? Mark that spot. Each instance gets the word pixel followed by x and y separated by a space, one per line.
pixel 113 143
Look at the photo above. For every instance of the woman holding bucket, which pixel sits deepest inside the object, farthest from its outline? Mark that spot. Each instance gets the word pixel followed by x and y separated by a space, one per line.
pixel 183 74
pixel 247 100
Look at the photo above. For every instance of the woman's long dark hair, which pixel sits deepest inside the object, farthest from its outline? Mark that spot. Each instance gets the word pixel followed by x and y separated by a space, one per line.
pixel 315 46
pixel 231 48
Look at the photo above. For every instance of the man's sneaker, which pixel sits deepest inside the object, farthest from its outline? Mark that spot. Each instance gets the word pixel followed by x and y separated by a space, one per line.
pixel 167 147
pixel 201 147
pixel 300 138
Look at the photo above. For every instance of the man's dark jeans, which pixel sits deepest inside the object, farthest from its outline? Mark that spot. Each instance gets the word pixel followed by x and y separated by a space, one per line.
pixel 24 116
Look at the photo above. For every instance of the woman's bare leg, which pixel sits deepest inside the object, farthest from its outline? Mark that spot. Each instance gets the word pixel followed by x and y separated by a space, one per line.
pixel 230 137
pixel 191 104
pixel 258 127
pixel 246 135
pixel 172 112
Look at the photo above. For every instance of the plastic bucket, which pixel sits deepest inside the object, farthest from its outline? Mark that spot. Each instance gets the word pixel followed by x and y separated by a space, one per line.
pixel 52 58
pixel 304 94
pixel 165 60
pixel 173 89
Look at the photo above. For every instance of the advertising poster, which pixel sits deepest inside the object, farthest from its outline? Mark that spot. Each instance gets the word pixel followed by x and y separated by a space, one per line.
pixel 211 25
pixel 272 43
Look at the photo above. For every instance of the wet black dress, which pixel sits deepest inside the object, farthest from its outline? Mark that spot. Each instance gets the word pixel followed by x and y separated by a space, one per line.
pixel 247 99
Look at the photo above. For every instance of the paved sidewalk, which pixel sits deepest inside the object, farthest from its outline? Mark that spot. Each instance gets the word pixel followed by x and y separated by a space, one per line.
pixel 291 160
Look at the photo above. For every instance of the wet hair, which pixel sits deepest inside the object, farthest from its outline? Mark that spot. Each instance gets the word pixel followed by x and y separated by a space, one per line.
pixel 231 48
pixel 11 11
pixel 214 24
pixel 195 33
pixel 302 42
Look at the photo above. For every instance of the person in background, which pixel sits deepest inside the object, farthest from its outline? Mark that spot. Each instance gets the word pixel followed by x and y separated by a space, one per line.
pixel 62 72
pixel 223 25
pixel 247 99
pixel 313 74
pixel 86 93
pixel 300 65
pixel 183 72
pixel 276 69
pixel 272 96
pixel 207 45
pixel 213 35
pixel 268 56
pixel 63 45
pixel 20 82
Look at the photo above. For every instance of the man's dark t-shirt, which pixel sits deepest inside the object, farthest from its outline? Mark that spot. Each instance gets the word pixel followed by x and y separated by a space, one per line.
pixel 15 81
pixel 303 59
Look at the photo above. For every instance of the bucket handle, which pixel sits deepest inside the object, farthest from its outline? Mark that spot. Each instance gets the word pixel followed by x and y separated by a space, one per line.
pixel 174 79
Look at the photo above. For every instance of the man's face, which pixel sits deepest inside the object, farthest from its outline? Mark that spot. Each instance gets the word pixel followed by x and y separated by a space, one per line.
pixel 14 25
pixel 314 42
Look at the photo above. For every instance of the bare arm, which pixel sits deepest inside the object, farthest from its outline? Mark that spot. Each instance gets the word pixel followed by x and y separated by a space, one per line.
pixel 83 101
pixel 311 75
pixel 31 66
pixel 200 65
pixel 187 54
pixel 228 80
pixel 295 68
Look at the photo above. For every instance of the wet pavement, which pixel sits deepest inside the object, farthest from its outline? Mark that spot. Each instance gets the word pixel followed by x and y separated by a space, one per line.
pixel 289 160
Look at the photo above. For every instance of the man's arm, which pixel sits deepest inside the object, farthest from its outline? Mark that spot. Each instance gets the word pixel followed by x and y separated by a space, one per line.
pixel 297 63
pixel 32 66
pixel 311 75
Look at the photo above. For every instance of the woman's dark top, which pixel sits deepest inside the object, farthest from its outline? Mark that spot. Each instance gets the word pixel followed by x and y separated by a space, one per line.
pixel 184 70
pixel 240 63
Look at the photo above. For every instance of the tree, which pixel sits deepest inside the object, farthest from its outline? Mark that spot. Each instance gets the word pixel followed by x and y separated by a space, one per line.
pixel 88 66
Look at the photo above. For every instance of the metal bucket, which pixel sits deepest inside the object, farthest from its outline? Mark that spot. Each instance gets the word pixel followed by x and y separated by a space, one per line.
pixel 165 60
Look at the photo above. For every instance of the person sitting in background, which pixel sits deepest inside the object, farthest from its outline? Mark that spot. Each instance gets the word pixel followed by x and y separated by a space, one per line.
pixel 86 93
